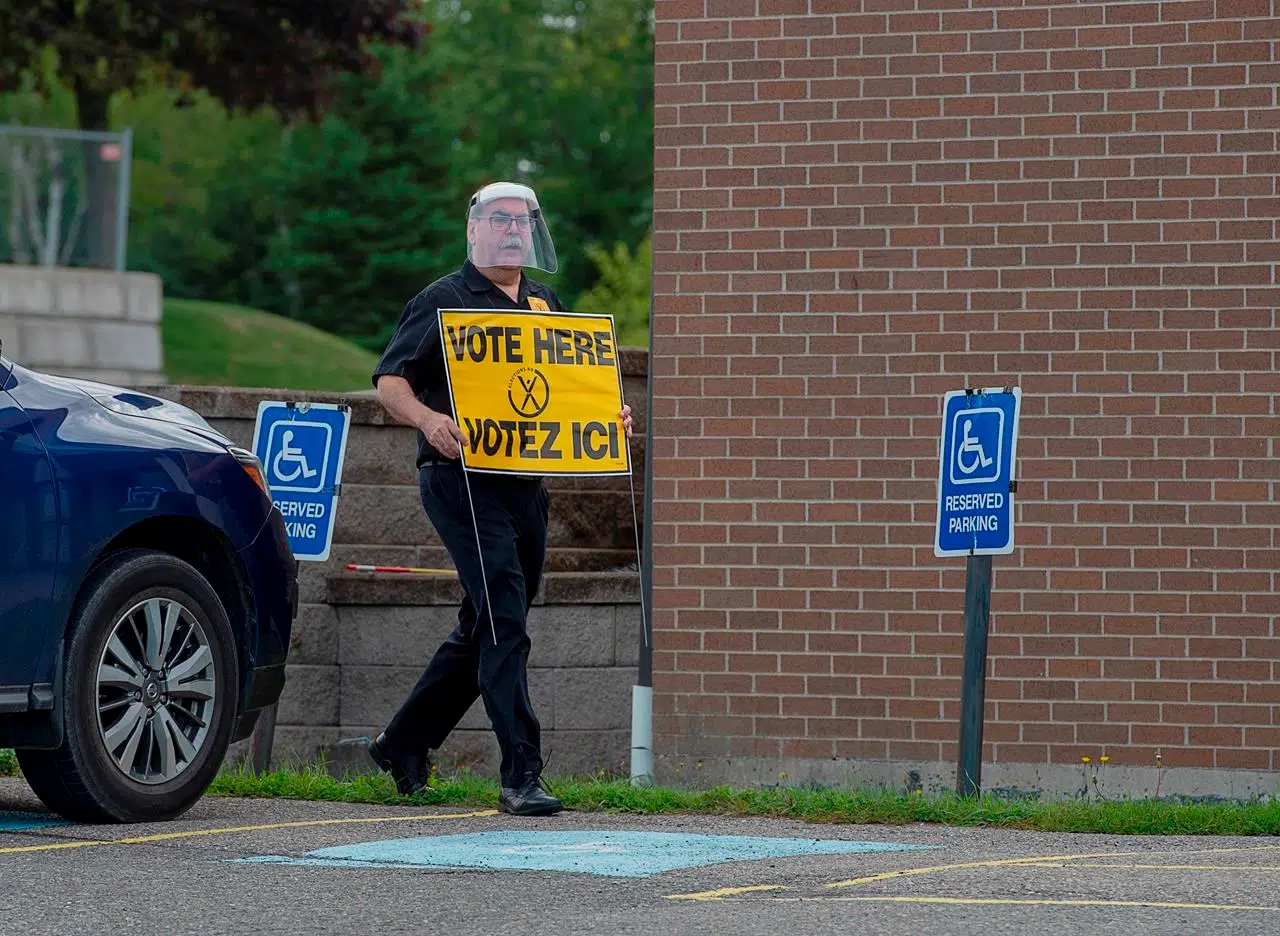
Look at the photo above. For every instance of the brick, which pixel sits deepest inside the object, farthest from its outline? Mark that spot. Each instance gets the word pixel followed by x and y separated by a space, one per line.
pixel 1175 225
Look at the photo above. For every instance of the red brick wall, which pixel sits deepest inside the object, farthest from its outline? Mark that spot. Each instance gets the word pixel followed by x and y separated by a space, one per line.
pixel 861 204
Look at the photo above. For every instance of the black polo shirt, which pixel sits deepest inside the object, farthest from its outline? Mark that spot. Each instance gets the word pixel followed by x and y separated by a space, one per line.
pixel 415 352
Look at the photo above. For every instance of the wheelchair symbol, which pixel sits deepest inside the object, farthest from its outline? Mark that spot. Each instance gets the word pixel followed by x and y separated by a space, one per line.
pixel 971 446
pixel 976 443
pixel 293 456
pixel 297 453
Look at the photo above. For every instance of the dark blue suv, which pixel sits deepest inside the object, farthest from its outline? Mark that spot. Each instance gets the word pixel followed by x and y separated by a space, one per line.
pixel 147 593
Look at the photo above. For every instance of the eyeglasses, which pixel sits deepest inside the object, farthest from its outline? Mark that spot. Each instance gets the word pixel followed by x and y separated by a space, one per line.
pixel 499 221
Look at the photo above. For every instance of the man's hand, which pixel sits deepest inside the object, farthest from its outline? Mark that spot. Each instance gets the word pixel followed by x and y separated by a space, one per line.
pixel 397 398
pixel 626 419
pixel 443 434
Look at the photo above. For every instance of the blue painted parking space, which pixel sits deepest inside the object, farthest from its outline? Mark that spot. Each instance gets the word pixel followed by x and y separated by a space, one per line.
pixel 11 821
pixel 607 853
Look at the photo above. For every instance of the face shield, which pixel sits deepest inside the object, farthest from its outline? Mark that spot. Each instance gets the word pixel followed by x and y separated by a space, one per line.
pixel 505 228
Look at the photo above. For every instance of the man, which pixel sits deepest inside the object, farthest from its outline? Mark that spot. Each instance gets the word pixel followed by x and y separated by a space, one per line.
pixel 506 231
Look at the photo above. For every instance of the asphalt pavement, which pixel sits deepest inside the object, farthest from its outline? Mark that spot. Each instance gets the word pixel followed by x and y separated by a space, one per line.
pixel 275 866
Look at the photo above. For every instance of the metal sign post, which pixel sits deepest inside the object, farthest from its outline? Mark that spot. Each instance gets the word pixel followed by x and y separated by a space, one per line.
pixel 973 686
pixel 976 454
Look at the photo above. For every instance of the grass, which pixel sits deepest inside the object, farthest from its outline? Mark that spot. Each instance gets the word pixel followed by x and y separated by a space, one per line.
pixel 215 344
pixel 874 807
pixel 855 807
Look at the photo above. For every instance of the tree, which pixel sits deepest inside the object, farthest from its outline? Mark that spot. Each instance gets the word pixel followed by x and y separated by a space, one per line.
pixel 558 94
pixel 204 202
pixel 279 53
pixel 368 214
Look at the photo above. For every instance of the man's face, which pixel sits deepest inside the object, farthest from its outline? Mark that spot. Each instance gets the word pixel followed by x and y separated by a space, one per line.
pixel 502 235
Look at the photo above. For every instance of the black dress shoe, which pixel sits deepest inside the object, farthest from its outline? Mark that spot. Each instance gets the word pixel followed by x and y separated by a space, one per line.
pixel 410 771
pixel 528 799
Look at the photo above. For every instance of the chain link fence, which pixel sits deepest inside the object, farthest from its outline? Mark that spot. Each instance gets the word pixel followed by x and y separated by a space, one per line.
pixel 64 197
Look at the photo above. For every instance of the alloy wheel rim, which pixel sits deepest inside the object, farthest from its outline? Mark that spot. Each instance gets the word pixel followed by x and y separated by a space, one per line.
pixel 156 691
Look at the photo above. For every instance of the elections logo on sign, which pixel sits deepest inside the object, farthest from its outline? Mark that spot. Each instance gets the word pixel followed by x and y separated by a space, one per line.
pixel 536 393
pixel 530 387
pixel 975 472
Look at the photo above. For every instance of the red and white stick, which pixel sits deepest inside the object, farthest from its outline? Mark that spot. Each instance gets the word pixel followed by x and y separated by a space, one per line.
pixel 354 567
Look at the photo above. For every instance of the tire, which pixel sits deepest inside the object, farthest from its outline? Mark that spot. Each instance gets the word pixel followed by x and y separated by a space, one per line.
pixel 142 741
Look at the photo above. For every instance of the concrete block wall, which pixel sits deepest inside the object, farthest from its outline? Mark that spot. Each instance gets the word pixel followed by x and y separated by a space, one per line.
pixel 97 324
pixel 355 658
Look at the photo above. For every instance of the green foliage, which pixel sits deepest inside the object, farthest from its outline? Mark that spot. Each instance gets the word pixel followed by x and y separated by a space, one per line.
pixel 558 94
pixel 366 214
pixel 224 345
pixel 101 48
pixel 555 93
pixel 314 783
pixel 36 97
pixel 8 763
pixel 623 290
pixel 871 806
pixel 338 223
pixel 97 49
pixel 202 206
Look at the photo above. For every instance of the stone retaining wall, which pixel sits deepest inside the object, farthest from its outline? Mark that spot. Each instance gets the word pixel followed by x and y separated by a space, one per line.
pixel 82 323
pixel 356 656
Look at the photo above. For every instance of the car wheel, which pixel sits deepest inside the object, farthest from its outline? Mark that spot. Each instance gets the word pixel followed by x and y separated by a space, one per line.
pixel 149 695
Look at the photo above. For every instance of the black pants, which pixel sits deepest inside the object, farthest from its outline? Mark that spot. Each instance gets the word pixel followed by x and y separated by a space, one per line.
pixel 511 514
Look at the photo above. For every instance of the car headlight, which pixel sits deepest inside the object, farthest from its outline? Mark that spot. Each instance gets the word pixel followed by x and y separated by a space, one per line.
pixel 252 467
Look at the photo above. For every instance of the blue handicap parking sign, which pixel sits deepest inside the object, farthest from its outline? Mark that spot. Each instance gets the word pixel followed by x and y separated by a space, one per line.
pixel 302 447
pixel 975 472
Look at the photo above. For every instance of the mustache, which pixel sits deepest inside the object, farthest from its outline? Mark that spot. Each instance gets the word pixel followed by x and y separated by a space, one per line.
pixel 510 242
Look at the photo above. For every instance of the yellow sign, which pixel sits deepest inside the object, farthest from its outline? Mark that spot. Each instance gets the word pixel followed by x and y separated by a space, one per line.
pixel 537 393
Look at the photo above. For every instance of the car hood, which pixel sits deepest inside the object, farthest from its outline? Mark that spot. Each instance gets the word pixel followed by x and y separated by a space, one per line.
pixel 126 402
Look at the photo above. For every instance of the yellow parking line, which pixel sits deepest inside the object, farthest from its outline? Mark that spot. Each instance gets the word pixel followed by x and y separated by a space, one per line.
pixel 1041 859
pixel 725 892
pixel 964 865
pixel 1044 861
pixel 1158 867
pixel 1034 902
pixel 905 872
pixel 197 833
